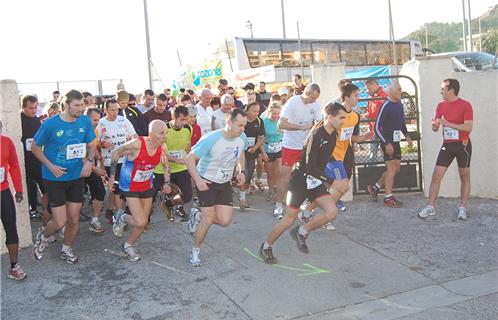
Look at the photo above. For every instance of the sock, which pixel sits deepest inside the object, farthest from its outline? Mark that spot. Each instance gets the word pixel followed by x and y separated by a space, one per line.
pixel 196 250
pixel 242 195
pixel 42 228
pixel 13 264
pixel 388 196
pixel 302 231
pixel 266 245
pixel 377 186
pixel 307 213
pixel 43 238
pixel 278 204
pixel 127 245
pixel 65 248
pixel 94 219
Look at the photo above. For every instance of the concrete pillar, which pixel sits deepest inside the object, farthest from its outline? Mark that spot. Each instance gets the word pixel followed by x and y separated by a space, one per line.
pixel 11 119
pixel 479 88
pixel 327 77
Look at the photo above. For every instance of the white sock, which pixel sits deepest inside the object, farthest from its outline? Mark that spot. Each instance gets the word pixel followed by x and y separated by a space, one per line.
pixel 242 195
pixel 43 238
pixel 278 204
pixel 266 245
pixel 388 196
pixel 65 248
pixel 302 231
pixel 95 219
pixel 127 245
pixel 196 250
pixel 377 185
pixel 307 213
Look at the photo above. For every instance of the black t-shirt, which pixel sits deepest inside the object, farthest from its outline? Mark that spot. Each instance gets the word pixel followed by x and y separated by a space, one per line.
pixel 29 127
pixel 136 118
pixel 253 130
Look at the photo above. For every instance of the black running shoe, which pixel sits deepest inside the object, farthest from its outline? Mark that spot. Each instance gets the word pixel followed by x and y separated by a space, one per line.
pixel 267 255
pixel 300 240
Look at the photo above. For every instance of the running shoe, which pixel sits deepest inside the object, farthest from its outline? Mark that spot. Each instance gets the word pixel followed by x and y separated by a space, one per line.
pixel 181 213
pixel 278 212
pixel 392 203
pixel 195 259
pixel 34 215
pixel 243 204
pixel 119 224
pixel 300 239
pixel 96 227
pixel 109 214
pixel 131 253
pixel 17 273
pixel 340 205
pixel 267 255
pixel 52 238
pixel 426 212
pixel 260 185
pixel 195 218
pixel 39 246
pixel 328 226
pixel 462 213
pixel 374 191
pixel 69 256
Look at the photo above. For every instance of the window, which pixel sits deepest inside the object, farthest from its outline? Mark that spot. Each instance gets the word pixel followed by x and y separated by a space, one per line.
pixel 379 53
pixel 403 52
pixel 325 52
pixel 353 54
pixel 292 56
pixel 263 53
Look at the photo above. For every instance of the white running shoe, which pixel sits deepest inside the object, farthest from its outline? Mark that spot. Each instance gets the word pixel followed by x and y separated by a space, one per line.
pixel 426 212
pixel 69 256
pixel 119 224
pixel 195 259
pixel 131 253
pixel 278 212
pixel 328 226
pixel 195 218
pixel 462 213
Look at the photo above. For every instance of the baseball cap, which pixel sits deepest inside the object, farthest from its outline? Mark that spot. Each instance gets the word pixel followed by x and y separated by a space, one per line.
pixel 283 91
pixel 192 110
pixel 249 86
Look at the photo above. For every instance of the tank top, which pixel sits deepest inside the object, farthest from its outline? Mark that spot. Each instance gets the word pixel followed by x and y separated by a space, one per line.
pixel 136 175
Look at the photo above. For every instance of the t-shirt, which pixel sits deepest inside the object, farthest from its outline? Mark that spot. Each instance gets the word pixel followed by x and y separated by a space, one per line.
pixel 350 127
pixel 297 112
pixel 196 134
pixel 218 155
pixel 455 112
pixel 117 132
pixel 177 142
pixel 273 136
pixel 9 164
pixel 152 114
pixel 64 145
pixel 253 130
pixel 220 119
pixel 29 127
pixel 204 118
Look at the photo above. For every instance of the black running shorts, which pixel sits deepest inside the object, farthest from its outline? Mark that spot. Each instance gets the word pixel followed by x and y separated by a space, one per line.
pixel 449 151
pixel 298 190
pixel 396 153
pixel 217 194
pixel 60 192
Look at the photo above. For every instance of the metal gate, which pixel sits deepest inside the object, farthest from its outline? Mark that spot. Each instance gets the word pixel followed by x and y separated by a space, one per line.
pixel 368 158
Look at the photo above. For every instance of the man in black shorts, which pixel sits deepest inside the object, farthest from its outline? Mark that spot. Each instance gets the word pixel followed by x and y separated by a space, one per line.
pixel 310 181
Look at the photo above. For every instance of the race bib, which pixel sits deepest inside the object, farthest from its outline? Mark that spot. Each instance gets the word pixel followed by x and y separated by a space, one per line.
pixel 396 135
pixel 143 175
pixel 29 142
pixel 224 175
pixel 75 151
pixel 275 147
pixel 2 174
pixel 251 141
pixel 178 154
pixel 450 133
pixel 346 133
pixel 312 182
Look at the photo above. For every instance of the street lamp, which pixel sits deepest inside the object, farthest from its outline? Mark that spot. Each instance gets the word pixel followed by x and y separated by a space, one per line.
pixel 249 25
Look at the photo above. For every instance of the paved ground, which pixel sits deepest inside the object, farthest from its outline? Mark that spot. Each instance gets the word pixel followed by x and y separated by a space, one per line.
pixel 378 264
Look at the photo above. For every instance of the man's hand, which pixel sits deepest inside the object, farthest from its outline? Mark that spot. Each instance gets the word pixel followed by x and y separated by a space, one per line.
pixel 444 122
pixel 202 184
pixel 241 179
pixel 252 150
pixel 107 145
pixel 435 124
pixel 18 197
pixel 389 149
pixel 56 170
pixel 410 142
pixel 306 126
pixel 86 171
pixel 265 157
pixel 100 172
pixel 166 188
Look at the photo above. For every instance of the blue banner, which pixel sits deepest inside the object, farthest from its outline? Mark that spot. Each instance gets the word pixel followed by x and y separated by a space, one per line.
pixel 369 73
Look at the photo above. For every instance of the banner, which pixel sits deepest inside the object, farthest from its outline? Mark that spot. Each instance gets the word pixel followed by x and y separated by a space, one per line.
pixel 197 78
pixel 255 75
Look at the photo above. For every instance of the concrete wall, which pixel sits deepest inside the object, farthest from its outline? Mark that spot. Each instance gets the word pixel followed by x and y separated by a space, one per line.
pixel 10 117
pixel 481 89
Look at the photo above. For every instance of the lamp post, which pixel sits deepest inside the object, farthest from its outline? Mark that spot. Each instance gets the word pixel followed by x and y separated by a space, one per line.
pixel 147 40
pixel 249 25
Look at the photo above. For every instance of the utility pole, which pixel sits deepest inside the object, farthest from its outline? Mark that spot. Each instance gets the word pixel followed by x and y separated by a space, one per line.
pixel 147 39
pixel 249 25
pixel 426 37
pixel 300 49
pixel 470 29
pixel 464 36
pixel 391 33
pixel 283 17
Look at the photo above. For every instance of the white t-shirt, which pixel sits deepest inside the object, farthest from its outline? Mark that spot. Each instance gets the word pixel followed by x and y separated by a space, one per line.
pixel 204 118
pixel 117 132
pixel 297 112
pixel 219 119
pixel 143 108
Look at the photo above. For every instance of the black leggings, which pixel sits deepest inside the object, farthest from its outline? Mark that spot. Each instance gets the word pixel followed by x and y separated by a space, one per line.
pixel 9 217
pixel 97 189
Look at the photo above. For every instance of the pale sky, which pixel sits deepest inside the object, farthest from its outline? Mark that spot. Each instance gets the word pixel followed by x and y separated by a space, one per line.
pixel 97 39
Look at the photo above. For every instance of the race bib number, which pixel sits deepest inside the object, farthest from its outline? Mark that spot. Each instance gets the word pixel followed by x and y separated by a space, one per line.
pixel 29 142
pixel 75 151
pixel 224 175
pixel 450 133
pixel 178 154
pixel 2 174
pixel 275 147
pixel 251 141
pixel 143 175
pixel 396 135
pixel 346 133
pixel 312 182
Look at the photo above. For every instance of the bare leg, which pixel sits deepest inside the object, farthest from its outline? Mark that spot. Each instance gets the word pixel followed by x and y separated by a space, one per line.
pixel 140 210
pixel 96 207
pixel 392 170
pixel 73 222
pixel 282 182
pixel 220 215
pixel 328 205
pixel 464 186
pixel 285 223
pixel 437 176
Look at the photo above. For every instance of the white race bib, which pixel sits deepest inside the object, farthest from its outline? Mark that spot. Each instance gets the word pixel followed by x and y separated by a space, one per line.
pixel 396 135
pixel 143 175
pixel 2 174
pixel 75 151
pixel 29 142
pixel 224 175
pixel 275 147
pixel 450 133
pixel 312 182
pixel 346 133
pixel 251 141
pixel 178 154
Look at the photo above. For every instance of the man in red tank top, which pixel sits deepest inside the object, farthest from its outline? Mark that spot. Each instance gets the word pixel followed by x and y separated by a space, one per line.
pixel 135 181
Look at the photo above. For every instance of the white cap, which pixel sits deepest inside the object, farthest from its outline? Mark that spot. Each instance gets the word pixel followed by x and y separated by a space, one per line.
pixel 283 91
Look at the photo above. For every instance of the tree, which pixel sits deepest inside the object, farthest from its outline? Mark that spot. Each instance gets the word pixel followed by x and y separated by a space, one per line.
pixel 490 42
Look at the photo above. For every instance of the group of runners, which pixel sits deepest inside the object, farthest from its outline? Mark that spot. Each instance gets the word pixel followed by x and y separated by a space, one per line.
pixel 185 152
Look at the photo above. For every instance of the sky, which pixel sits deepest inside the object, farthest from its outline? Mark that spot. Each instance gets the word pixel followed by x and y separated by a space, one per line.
pixel 54 40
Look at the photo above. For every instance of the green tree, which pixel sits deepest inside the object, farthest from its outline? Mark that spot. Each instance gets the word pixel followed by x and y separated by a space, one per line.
pixel 490 42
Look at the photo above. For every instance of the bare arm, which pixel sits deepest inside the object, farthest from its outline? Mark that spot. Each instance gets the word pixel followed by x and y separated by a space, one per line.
pixel 128 148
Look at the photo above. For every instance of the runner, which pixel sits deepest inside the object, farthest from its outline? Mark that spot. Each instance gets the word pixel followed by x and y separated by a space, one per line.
pixel 296 120
pixel 456 116
pixel 388 127
pixel 272 154
pixel 113 131
pixel 131 113
pixel 220 115
pixel 218 154
pixel 378 97
pixel 255 133
pixel 204 111
pixel 142 155
pixel 192 121
pixel 310 180
pixel 10 164
pixel 159 111
pixel 67 156
pixel 147 101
